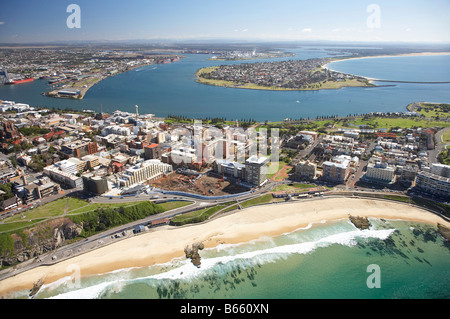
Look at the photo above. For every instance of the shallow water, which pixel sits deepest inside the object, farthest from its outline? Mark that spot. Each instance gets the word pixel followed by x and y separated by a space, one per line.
pixel 325 261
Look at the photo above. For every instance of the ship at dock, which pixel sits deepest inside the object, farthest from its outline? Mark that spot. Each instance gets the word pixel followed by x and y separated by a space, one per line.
pixel 12 82
pixel 168 60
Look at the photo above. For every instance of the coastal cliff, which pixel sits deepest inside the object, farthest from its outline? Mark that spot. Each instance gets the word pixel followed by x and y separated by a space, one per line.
pixel 31 243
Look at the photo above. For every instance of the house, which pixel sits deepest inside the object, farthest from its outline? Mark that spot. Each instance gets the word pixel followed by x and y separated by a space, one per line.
pixel 10 203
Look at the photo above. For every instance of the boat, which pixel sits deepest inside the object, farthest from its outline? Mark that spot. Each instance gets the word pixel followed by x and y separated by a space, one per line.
pixel 20 81
pixel 54 81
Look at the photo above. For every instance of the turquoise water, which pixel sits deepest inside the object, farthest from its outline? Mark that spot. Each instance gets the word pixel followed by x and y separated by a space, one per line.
pixel 171 89
pixel 325 261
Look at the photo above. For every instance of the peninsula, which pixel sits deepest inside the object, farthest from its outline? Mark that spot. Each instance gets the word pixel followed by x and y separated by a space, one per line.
pixel 297 75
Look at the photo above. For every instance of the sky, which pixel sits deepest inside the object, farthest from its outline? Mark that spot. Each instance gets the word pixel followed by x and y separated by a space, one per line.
pixel 25 21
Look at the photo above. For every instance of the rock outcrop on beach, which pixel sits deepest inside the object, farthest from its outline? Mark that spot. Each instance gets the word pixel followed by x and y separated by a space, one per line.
pixel 360 222
pixel 444 231
pixel 192 253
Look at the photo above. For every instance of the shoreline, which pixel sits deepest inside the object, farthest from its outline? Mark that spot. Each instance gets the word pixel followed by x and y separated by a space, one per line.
pixel 168 242
pixel 250 86
pixel 382 56
pixel 83 91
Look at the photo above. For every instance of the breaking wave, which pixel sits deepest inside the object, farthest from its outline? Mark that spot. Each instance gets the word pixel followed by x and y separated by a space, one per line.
pixel 185 270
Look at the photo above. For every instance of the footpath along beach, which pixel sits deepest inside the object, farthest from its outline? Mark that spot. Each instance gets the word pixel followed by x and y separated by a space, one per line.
pixel 168 242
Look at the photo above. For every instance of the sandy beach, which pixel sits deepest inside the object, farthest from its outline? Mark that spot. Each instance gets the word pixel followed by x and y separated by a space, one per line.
pixel 168 242
pixel 387 56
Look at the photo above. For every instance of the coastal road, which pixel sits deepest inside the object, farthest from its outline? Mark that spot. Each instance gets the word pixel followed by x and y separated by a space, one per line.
pixel 439 147
pixel 109 236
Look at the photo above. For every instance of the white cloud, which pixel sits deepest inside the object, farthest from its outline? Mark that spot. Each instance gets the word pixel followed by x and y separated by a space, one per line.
pixel 408 30
pixel 307 30
pixel 2 22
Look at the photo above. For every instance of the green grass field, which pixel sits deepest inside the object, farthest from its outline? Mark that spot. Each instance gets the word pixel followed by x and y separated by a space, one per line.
pixel 196 216
pixel 446 137
pixel 434 109
pixel 76 206
pixel 381 122
pixel 265 199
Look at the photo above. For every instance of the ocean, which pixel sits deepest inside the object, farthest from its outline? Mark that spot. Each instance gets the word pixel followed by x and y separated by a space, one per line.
pixel 171 89
pixel 327 260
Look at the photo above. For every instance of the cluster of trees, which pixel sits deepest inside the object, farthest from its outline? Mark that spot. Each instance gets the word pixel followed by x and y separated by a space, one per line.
pixel 105 218
pixel 444 157
pixel 7 189
pixel 40 161
pixel 179 118
pixel 33 130
pixel 17 148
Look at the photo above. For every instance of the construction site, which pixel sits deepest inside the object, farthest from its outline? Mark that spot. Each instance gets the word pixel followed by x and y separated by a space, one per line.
pixel 197 183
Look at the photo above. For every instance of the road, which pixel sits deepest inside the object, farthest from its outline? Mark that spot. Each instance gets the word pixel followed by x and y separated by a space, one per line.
pixel 109 236
pixel 440 145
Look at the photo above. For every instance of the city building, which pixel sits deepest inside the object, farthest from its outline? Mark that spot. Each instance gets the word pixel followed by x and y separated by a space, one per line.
pixel 66 179
pixel 306 170
pixel 95 184
pixel 256 170
pixel 116 130
pixel 304 134
pixel 80 148
pixel 379 173
pixel 440 169
pixel 10 203
pixel 233 169
pixel 336 171
pixel 67 166
pixel 91 160
pixel 149 170
pixel 433 184
pixel 152 151
pixel 181 156
pixel 408 175
pixel 41 189
pixel 9 132
pixel 436 182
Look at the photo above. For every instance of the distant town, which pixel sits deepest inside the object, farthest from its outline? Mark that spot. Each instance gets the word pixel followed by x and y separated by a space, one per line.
pixel 47 152
pixel 285 75
pixel 238 55
pixel 71 72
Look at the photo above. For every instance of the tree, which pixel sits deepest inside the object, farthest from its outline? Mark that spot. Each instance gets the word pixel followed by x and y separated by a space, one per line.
pixel 14 161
